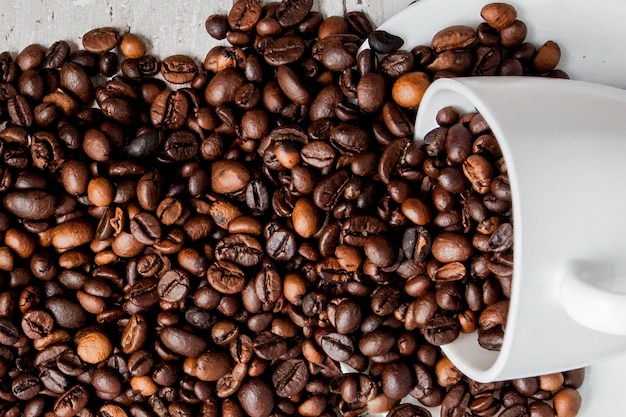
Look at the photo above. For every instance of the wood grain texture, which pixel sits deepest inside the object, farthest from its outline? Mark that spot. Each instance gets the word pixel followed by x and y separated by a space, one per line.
pixel 168 26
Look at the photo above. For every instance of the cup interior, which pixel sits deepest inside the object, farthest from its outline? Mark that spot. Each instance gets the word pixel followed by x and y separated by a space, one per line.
pixel 468 356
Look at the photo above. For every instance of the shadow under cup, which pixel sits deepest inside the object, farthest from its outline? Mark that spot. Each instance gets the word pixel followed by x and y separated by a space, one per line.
pixel 564 144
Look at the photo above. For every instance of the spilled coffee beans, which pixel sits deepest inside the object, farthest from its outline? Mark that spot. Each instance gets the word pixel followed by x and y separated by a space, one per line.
pixel 257 234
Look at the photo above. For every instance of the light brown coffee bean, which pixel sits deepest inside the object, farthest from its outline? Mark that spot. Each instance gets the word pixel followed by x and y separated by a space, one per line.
pixel 306 218
pixel 229 177
pixel 451 247
pixel 499 15
pixel 567 402
pixel 132 46
pixel 100 191
pixel 547 57
pixel 101 40
pixel 453 37
pixel 408 90
pixel 71 234
pixel 94 347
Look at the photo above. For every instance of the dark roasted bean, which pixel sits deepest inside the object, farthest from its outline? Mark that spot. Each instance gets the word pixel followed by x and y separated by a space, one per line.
pixel 384 42
pixel 292 12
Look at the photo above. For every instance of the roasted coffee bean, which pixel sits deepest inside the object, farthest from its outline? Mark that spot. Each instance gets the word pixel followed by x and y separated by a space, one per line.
pixel 441 330
pixel 452 62
pixel 19 111
pixel 453 37
pixel 376 342
pixel 349 138
pixel 181 145
pixel 513 35
pixel 144 144
pixel 337 346
pixel 226 277
pixel 143 293
pixel 57 53
pixel 406 410
pixel 379 251
pixel 256 397
pixel 54 380
pixel 318 154
pixel 335 57
pixel 281 245
pixel 223 87
pixel 76 81
pixel 284 50
pixel 397 380
pixel 293 86
pixel 168 110
pixel 100 40
pixel 458 143
pixel 408 89
pixel 216 25
pixel 66 313
pixel 31 85
pixel 397 63
pixel 178 69
pixel 211 366
pixel 119 109
pixel 451 247
pixel 32 56
pixel 30 204
pixel 574 378
pixel 333 25
pixel 323 107
pixel 456 400
pixel 25 387
pixel 229 177
pixel 37 324
pixel 367 61
pixel 94 347
pixel 134 334
pixel 8 332
pixel 290 378
pixel 383 42
pixel 488 62
pixel 347 317
pixel 244 14
pixel 268 285
pixel 132 46
pixel 72 401
pixel 498 15
pixel 359 23
pixel 183 342
pixel 269 346
pixel 328 191
pixel 292 12
pixel 145 228
pixel 173 285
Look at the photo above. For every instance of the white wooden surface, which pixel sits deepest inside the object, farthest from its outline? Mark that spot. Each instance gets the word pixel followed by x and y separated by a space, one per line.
pixel 172 26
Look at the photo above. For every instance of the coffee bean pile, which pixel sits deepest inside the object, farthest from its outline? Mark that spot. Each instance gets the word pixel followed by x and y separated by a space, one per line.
pixel 220 239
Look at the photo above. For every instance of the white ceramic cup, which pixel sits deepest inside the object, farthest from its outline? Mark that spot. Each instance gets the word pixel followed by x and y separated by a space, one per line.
pixel 564 143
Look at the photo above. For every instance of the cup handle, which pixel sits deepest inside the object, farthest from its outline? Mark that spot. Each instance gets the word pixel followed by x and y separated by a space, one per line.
pixel 589 304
